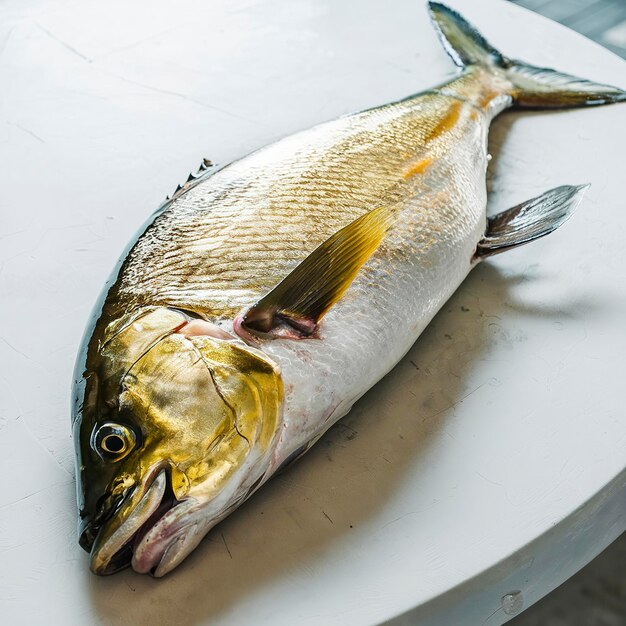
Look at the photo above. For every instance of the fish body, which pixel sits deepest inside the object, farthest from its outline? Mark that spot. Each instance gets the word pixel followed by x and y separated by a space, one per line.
pixel 425 155
pixel 188 399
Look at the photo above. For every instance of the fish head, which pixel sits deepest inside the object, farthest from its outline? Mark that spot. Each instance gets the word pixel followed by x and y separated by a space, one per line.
pixel 171 431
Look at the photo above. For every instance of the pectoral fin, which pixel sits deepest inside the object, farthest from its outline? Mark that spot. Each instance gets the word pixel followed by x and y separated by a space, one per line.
pixel 301 299
pixel 529 220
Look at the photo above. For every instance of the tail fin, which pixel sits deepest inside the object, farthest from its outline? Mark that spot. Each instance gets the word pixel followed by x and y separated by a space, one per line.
pixel 533 87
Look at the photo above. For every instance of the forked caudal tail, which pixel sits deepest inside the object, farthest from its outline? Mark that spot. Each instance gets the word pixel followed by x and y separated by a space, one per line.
pixel 532 87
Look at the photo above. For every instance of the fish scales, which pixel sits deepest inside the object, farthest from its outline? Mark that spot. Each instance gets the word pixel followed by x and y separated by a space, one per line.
pixel 275 207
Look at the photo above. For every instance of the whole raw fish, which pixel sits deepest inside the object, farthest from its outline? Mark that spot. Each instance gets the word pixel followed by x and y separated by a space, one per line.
pixel 266 297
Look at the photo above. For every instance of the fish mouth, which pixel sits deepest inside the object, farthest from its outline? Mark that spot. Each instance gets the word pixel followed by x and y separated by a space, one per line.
pixel 112 553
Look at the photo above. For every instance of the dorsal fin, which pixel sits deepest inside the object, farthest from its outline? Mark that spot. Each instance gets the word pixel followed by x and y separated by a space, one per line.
pixel 206 169
pixel 301 299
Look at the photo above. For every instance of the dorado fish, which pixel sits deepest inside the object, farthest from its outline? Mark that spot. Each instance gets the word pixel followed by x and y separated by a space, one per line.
pixel 265 297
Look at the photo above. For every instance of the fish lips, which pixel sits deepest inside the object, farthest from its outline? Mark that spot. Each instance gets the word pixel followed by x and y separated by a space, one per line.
pixel 112 543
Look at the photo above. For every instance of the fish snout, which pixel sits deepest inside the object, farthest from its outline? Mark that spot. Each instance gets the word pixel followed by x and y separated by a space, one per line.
pixel 113 542
pixel 89 526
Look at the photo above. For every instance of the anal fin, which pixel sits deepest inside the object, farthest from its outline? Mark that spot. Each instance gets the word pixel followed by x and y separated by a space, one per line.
pixel 529 220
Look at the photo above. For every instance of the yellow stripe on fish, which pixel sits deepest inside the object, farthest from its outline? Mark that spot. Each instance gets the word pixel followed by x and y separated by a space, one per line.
pixel 418 168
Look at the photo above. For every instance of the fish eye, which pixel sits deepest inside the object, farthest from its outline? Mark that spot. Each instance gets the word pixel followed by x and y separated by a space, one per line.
pixel 113 441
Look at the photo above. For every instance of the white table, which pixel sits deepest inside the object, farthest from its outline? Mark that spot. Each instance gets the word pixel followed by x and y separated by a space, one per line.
pixel 491 461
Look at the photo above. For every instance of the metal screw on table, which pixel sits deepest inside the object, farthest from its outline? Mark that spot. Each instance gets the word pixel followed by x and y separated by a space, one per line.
pixel 513 603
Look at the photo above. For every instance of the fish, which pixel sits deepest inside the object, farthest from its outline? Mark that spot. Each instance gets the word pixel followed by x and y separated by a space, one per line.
pixel 265 297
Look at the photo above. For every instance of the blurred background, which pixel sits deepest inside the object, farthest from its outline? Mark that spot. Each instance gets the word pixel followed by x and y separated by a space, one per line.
pixel 596 596
pixel 603 21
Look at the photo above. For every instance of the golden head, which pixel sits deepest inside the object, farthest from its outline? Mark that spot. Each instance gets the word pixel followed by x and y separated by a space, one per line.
pixel 172 430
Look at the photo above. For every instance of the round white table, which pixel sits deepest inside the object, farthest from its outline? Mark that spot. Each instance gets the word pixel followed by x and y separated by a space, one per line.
pixel 487 468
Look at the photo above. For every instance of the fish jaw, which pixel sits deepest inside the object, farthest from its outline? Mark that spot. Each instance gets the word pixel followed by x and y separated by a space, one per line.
pixel 112 549
pixel 157 532
pixel 166 544
pixel 177 533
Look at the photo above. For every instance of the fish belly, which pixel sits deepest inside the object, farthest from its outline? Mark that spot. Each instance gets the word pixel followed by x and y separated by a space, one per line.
pixel 420 264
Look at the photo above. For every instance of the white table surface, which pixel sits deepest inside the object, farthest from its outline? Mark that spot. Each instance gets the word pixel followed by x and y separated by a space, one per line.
pixel 492 460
